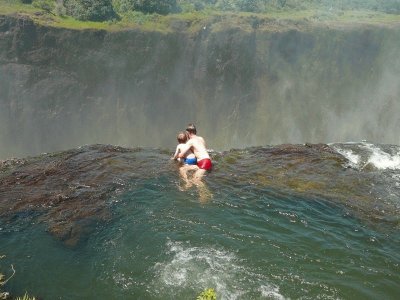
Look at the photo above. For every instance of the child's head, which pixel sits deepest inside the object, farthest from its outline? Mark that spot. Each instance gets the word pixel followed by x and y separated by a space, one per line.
pixel 182 137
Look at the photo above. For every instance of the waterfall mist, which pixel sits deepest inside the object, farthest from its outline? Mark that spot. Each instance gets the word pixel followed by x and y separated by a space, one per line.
pixel 60 89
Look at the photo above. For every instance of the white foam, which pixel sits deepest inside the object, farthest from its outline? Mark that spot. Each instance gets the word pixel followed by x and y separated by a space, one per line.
pixel 206 267
pixel 352 157
pixel 122 281
pixel 271 292
pixel 383 160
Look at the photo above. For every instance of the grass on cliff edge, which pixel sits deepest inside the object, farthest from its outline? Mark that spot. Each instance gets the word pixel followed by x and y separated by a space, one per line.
pixel 193 21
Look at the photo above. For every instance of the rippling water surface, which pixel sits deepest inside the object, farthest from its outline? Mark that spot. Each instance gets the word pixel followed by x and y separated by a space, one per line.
pixel 287 222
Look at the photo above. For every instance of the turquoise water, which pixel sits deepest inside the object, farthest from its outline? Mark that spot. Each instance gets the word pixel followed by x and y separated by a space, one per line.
pixel 248 241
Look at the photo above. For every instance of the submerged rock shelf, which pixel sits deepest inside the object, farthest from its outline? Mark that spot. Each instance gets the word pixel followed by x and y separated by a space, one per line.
pixel 72 191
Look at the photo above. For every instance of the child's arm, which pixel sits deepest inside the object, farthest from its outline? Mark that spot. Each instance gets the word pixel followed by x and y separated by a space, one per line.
pixel 185 148
pixel 176 153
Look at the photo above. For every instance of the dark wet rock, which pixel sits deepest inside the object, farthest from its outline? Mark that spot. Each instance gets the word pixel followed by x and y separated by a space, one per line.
pixel 313 171
pixel 68 190
pixel 71 192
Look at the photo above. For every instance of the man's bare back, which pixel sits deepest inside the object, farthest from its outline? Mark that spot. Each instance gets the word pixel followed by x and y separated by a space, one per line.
pixel 198 146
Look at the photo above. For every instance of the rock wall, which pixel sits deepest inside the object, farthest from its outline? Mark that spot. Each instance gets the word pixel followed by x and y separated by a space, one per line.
pixel 63 88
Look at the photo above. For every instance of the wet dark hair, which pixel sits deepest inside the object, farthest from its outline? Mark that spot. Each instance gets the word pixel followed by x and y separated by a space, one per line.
pixel 191 128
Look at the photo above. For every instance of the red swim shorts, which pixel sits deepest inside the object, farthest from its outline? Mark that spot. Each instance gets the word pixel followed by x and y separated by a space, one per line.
pixel 205 164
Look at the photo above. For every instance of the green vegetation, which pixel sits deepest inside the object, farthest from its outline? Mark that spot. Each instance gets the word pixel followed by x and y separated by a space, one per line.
pixel 46 5
pixel 95 10
pixel 162 7
pixel 163 15
pixel 88 10
pixel 208 294
pixel 26 297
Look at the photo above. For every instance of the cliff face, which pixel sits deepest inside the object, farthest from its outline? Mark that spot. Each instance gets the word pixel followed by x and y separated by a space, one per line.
pixel 61 88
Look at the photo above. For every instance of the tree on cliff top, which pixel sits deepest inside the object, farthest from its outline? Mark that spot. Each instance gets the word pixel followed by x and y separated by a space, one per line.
pixel 101 10
pixel 46 5
pixel 90 10
pixel 161 7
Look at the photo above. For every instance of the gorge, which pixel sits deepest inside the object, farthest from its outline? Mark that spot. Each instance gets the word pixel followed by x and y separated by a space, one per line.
pixel 297 205
pixel 245 83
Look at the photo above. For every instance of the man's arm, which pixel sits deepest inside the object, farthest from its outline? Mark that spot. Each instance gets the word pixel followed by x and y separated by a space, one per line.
pixel 185 148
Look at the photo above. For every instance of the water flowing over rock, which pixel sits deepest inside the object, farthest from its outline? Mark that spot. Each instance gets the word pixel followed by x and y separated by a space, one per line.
pixel 73 191
pixel 69 191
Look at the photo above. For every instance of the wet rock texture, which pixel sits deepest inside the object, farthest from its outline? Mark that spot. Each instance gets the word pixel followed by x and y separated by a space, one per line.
pixel 318 171
pixel 71 192
pixel 68 191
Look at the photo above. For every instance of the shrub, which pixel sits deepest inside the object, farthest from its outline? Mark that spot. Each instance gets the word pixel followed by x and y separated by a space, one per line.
pixel 248 5
pixel 60 8
pixel 161 7
pixel 90 10
pixel 227 5
pixel 123 6
pixel 46 5
pixel 208 294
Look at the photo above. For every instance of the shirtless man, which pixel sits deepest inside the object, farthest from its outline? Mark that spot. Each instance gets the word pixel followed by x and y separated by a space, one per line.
pixel 198 146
